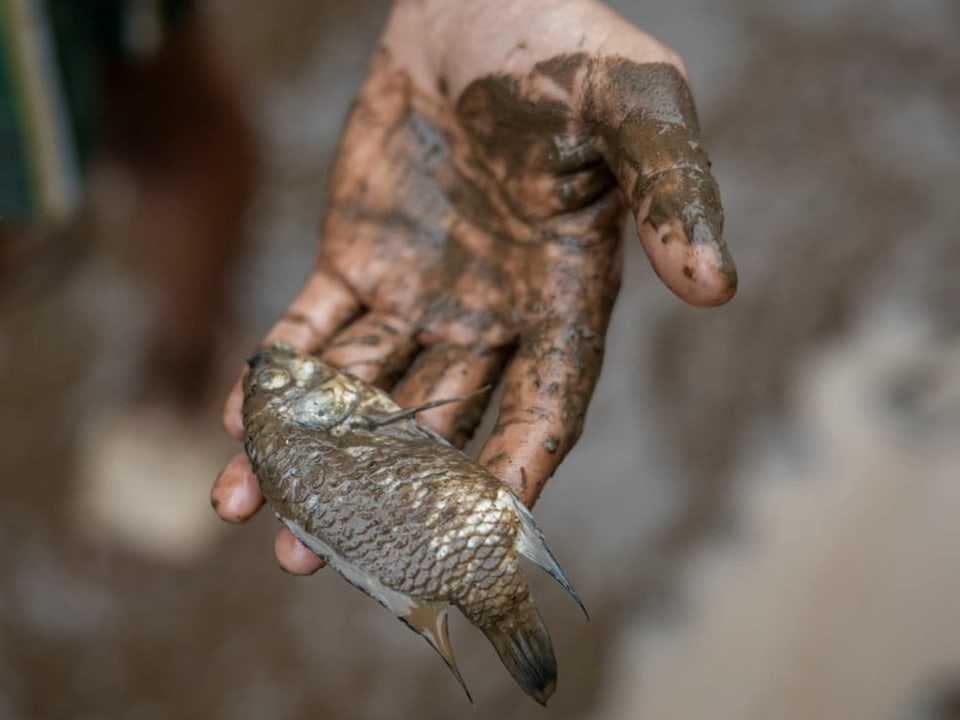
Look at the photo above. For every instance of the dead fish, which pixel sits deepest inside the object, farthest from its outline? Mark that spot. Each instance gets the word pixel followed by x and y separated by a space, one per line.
pixel 395 509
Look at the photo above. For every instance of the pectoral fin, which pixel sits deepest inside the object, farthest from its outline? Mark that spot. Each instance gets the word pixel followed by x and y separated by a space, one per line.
pixel 532 546
pixel 381 420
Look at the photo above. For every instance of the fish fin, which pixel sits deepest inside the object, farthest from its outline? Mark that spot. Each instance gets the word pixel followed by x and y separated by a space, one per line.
pixel 427 619
pixel 410 429
pixel 533 547
pixel 379 421
pixel 395 601
pixel 430 621
pixel 524 647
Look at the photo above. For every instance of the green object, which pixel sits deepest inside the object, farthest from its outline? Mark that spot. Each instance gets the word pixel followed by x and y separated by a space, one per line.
pixel 16 197
pixel 53 57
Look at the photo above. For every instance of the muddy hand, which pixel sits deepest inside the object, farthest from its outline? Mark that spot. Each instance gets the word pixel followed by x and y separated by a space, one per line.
pixel 475 221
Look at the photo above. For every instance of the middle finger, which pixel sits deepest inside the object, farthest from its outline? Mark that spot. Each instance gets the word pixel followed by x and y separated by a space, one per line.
pixel 376 348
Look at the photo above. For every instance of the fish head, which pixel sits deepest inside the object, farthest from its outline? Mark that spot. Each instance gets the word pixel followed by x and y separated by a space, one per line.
pixel 300 387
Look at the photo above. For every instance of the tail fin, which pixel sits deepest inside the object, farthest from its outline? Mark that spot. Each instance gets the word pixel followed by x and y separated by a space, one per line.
pixel 523 644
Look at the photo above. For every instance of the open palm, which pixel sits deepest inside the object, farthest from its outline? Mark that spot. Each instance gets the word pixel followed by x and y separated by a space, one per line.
pixel 476 218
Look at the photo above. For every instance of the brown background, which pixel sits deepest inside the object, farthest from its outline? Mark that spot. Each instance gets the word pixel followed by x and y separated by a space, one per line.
pixel 760 515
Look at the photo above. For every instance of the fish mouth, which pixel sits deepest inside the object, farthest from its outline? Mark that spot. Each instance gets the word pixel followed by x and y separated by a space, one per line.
pixel 258 360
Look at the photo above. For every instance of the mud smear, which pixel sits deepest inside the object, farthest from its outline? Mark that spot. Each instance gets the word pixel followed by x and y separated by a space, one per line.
pixel 495 221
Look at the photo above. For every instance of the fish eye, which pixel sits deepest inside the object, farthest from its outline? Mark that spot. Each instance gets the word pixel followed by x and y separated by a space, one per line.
pixel 324 401
pixel 273 379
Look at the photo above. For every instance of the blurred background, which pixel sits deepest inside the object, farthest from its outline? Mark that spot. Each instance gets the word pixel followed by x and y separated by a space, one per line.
pixel 762 513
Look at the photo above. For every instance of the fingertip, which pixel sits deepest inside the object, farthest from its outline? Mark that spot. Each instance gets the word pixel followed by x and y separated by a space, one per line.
pixel 512 470
pixel 293 555
pixel 524 455
pixel 717 275
pixel 236 495
pixel 701 272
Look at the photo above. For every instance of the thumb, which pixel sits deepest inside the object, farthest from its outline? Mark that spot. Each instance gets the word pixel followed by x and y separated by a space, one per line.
pixel 650 137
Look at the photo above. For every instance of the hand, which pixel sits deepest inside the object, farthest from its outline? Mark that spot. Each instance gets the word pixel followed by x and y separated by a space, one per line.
pixel 475 222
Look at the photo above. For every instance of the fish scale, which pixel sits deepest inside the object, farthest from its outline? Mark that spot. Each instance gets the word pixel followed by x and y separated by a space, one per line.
pixel 396 510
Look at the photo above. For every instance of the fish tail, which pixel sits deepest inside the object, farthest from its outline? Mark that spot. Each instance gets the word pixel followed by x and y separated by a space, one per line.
pixel 523 644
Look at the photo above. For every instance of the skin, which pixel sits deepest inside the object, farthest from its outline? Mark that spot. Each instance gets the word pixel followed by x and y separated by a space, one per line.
pixel 475 224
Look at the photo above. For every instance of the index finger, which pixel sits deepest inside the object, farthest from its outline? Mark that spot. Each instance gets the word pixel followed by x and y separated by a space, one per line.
pixel 322 306
pixel 650 137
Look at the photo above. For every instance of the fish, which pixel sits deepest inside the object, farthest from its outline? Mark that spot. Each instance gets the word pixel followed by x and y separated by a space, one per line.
pixel 398 511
